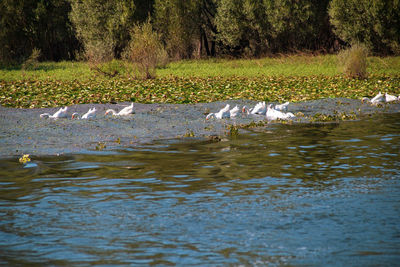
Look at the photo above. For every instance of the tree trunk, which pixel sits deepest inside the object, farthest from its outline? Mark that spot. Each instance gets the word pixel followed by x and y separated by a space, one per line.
pixel 203 34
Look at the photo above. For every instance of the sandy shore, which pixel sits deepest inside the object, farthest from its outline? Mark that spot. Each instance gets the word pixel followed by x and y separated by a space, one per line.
pixel 22 131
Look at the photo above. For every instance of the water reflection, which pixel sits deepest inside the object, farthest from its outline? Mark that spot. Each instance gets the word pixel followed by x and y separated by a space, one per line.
pixel 284 195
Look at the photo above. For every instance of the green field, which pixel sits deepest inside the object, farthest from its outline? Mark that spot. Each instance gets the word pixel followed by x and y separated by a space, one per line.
pixel 295 65
pixel 284 78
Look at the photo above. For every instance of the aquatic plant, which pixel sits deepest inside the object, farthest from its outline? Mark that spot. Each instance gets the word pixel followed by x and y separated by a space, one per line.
pixel 100 146
pixel 189 133
pixel 232 130
pixel 336 116
pixel 214 138
pixel 24 159
pixel 54 93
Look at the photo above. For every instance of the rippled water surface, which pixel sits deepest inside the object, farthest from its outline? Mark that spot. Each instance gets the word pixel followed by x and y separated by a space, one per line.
pixel 326 194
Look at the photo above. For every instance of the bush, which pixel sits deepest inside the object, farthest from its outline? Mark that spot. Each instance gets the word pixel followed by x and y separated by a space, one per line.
pixel 353 61
pixel 145 50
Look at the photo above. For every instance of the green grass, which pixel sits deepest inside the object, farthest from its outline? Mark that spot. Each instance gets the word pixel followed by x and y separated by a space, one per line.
pixel 296 65
pixel 65 70
pixel 289 78
pixel 281 66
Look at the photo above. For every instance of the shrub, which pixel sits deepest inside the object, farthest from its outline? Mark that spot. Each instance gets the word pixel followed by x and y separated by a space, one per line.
pixel 145 50
pixel 353 61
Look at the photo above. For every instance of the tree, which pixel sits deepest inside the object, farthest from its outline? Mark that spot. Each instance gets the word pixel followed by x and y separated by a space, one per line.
pixel 28 24
pixel 241 26
pixel 187 27
pixel 176 20
pixel 257 27
pixel 102 26
pixel 294 24
pixel 375 23
pixel 143 9
pixel 208 28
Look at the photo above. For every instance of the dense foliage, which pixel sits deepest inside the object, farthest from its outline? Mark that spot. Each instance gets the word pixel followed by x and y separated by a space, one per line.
pixel 102 26
pixel 29 24
pixel 178 22
pixel 63 29
pixel 373 22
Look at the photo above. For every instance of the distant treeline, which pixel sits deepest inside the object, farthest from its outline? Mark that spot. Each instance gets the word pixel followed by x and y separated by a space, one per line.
pixel 100 29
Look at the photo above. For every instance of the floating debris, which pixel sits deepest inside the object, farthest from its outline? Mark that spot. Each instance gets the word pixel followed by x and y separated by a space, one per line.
pixel 24 159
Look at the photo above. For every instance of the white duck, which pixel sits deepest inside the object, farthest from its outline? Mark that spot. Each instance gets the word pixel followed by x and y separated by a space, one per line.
pixel 222 114
pixel 234 112
pixel 273 114
pixel 125 111
pixel 61 113
pixel 282 107
pixel 88 115
pixel 246 110
pixel 365 100
pixel 390 98
pixel 378 98
pixel 260 108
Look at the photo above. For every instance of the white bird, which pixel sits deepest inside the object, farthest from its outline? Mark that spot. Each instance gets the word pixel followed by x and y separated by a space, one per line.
pixel 260 108
pixel 234 112
pixel 246 110
pixel 282 107
pixel 88 115
pixel 222 114
pixel 125 111
pixel 61 113
pixel 365 99
pixel 273 114
pixel 390 98
pixel 378 98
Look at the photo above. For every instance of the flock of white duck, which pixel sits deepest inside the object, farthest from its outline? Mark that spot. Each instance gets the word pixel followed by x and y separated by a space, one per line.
pixel 381 98
pixel 271 111
pixel 276 111
pixel 63 113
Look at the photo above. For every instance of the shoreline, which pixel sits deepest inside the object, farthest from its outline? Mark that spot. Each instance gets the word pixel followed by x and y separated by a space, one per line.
pixel 22 131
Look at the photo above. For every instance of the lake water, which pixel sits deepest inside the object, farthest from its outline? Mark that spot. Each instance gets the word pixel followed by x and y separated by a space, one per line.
pixel 322 194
